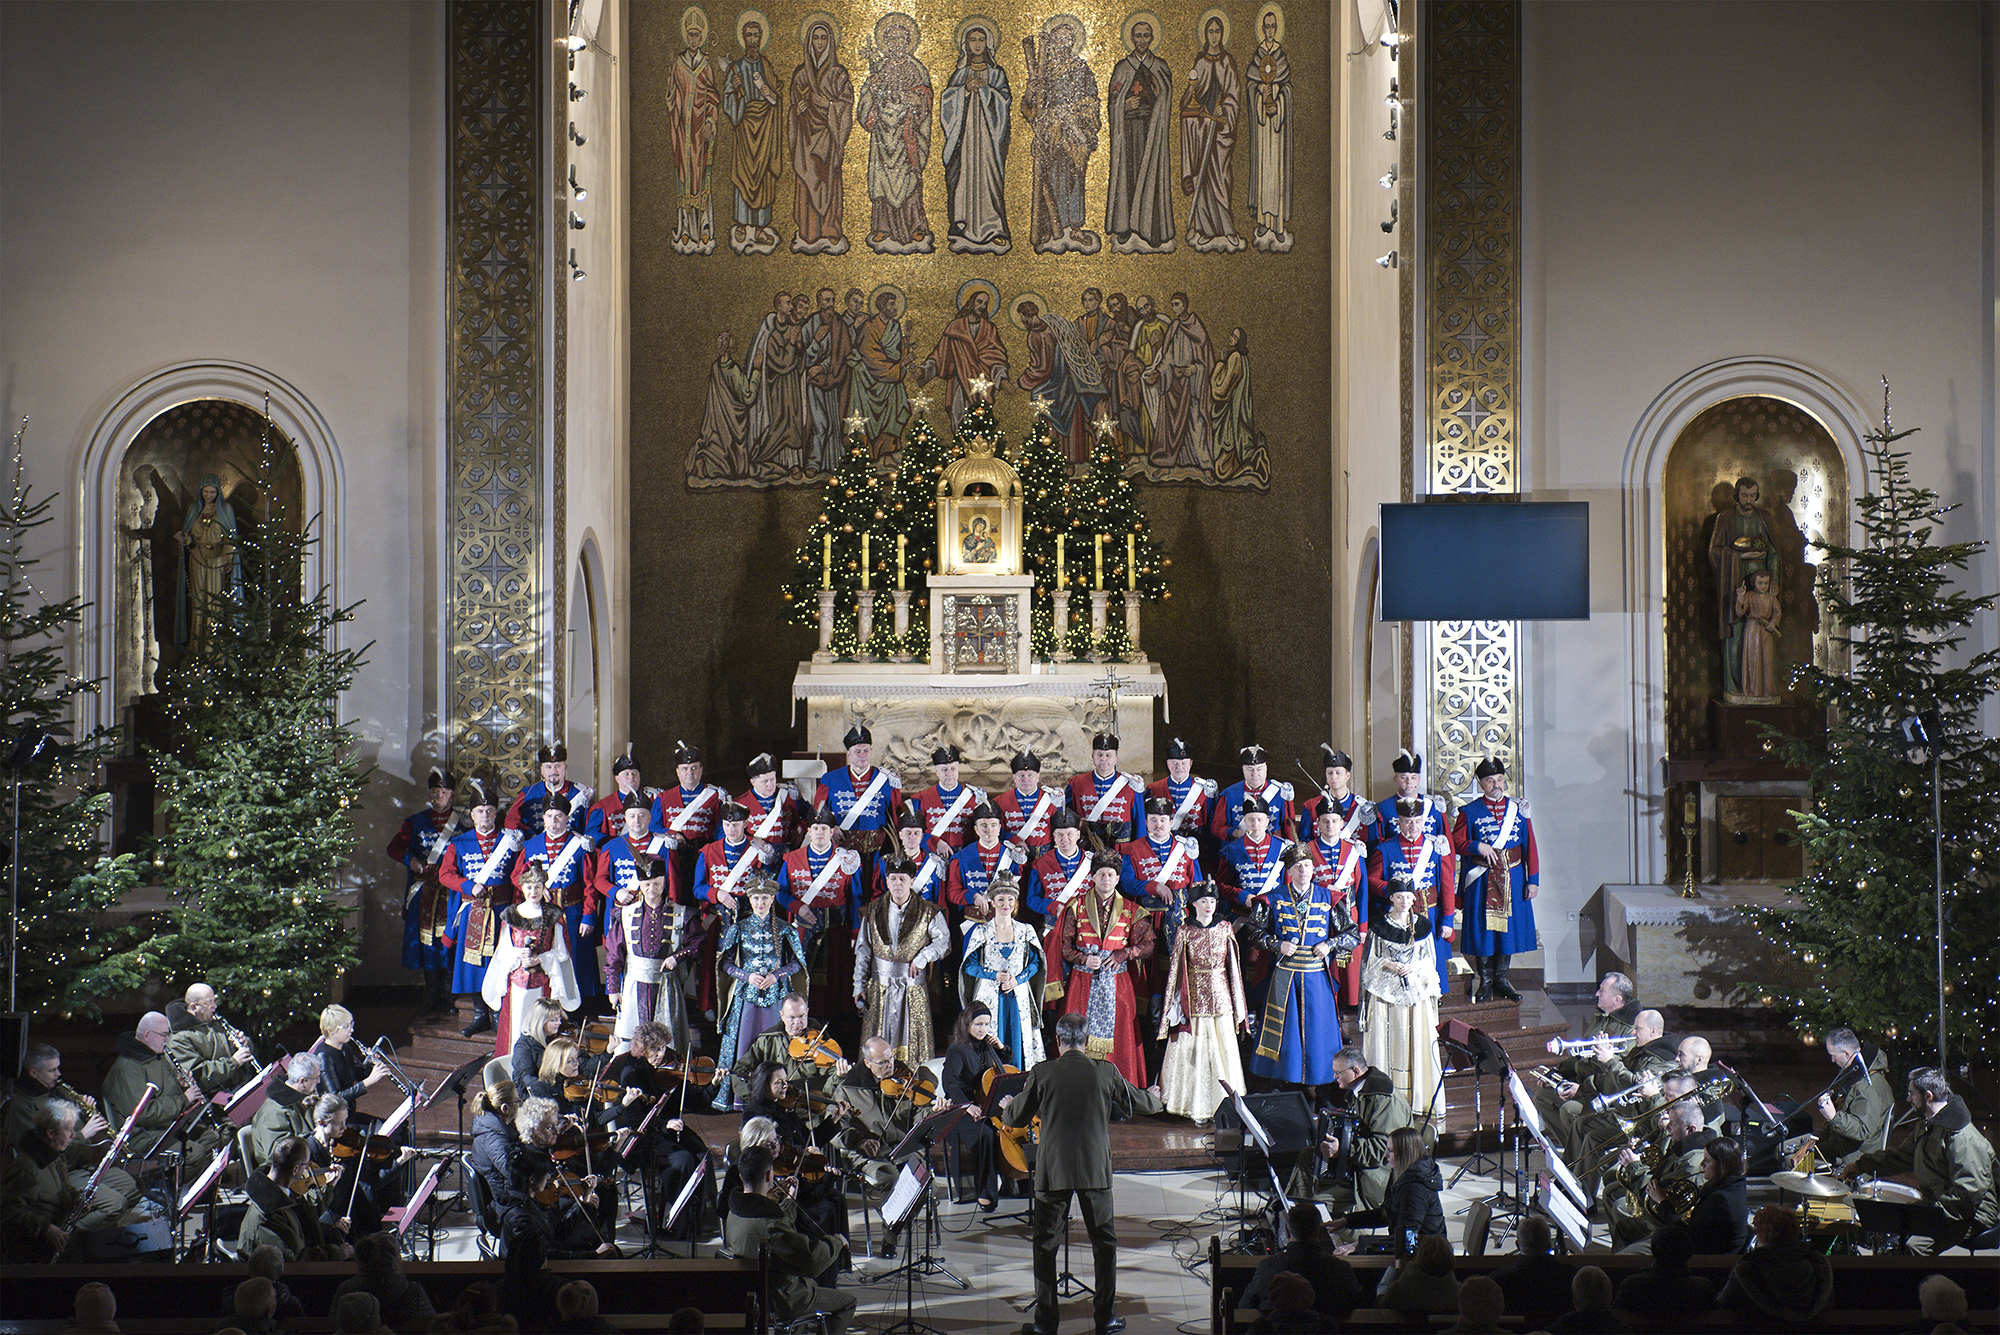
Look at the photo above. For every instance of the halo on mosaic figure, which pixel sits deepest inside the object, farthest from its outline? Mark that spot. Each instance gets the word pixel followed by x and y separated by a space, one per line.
pixel 700 16
pixel 1278 10
pixel 1141 16
pixel 1201 28
pixel 1014 308
pixel 1079 35
pixel 750 16
pixel 806 27
pixel 894 17
pixel 902 298
pixel 966 25
pixel 992 294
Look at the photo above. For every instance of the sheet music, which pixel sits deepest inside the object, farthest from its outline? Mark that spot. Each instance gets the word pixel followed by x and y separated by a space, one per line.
pixel 400 1116
pixel 1559 1171
pixel 1251 1124
pixel 206 1182
pixel 688 1189
pixel 1524 1104
pixel 1567 1217
pixel 416 1205
pixel 906 1195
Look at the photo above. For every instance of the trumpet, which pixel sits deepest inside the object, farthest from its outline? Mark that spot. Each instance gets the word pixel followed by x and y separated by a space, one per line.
pixel 1567 1046
pixel 1606 1101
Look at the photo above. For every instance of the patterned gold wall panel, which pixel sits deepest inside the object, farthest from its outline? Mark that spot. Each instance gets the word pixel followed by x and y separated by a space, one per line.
pixel 1472 214
pixel 493 616
pixel 1804 486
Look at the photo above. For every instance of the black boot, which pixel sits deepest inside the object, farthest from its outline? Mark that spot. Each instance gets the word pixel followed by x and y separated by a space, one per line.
pixel 482 1019
pixel 1483 966
pixel 1501 987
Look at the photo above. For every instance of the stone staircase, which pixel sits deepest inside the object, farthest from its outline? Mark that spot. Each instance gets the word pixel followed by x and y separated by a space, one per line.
pixel 434 1052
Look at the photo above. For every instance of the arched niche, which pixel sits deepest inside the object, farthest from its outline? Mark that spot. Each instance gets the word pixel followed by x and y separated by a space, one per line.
pixel 1679 447
pixel 195 416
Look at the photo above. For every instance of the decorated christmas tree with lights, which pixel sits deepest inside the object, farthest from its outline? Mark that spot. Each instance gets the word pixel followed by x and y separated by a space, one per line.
pixel 259 788
pixel 66 880
pixel 1044 474
pixel 851 532
pixel 910 513
pixel 1111 547
pixel 1862 926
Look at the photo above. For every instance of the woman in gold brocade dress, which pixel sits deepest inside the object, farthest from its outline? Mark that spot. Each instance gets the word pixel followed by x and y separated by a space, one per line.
pixel 1399 1006
pixel 1205 1009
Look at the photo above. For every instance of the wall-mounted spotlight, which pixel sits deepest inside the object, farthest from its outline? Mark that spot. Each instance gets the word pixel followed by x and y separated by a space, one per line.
pixel 575 221
pixel 576 135
pixel 1390 225
pixel 575 188
pixel 578 94
pixel 1388 261
pixel 1394 116
pixel 1387 180
pixel 1395 97
pixel 575 269
pixel 577 41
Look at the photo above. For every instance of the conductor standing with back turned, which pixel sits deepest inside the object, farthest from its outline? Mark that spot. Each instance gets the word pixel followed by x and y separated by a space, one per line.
pixel 1076 1097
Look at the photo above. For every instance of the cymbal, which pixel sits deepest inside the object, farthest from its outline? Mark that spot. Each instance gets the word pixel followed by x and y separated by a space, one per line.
pixel 1810 1184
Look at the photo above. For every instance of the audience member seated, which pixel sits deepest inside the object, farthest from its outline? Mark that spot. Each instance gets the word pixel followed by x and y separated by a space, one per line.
pixel 1536 1282
pixel 1425 1282
pixel 687 1321
pixel 577 1302
pixel 1590 1294
pixel 477 1313
pixel 1480 1303
pixel 1291 1311
pixel 269 1262
pixel 1722 1210
pixel 1665 1288
pixel 256 1308
pixel 358 1314
pixel 405 1306
pixel 97 1311
pixel 1944 1306
pixel 1309 1253
pixel 1780 1279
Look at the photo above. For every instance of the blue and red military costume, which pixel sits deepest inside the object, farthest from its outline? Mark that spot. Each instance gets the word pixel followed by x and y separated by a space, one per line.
pixel 947 812
pixel 1227 813
pixel 427 901
pixel 1499 922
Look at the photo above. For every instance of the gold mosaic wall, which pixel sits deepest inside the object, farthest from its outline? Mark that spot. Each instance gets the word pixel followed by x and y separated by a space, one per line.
pixel 495 462
pixel 1471 349
pixel 1804 489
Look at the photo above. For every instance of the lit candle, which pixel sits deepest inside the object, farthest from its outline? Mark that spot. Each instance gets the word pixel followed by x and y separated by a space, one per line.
pixel 1100 560
pixel 902 543
pixel 1059 559
pixel 864 560
pixel 1131 570
pixel 826 570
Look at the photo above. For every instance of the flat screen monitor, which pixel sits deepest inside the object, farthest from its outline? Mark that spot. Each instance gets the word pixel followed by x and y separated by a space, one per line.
pixel 1486 560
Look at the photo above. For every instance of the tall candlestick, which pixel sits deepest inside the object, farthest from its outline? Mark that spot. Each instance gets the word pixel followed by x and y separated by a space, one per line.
pixel 1131 568
pixel 864 560
pixel 1100 560
pixel 902 544
pixel 1059 560
pixel 826 571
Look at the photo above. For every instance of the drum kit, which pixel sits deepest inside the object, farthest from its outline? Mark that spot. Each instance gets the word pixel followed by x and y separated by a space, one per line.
pixel 1837 1214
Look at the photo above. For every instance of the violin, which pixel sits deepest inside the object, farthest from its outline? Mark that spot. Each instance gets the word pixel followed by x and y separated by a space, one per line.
pixel 564 1183
pixel 802 1098
pixel 815 1046
pixel 583 1091
pixel 691 1070
pixel 573 1140
pixel 595 1036
pixel 355 1143
pixel 317 1180
pixel 793 1166
pixel 916 1086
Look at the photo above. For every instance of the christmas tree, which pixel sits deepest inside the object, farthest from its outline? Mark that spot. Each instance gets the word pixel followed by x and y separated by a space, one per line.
pixel 851 524
pixel 1863 922
pixel 259 787
pixel 911 515
pixel 65 880
pixel 1109 531
pixel 1044 514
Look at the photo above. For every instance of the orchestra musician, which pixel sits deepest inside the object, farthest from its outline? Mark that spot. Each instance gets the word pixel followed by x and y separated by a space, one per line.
pixel 1616 1014
pixel 1599 1071
pixel 40 1084
pixel 1950 1160
pixel 972 1147
pixel 348 1069
pixel 774 1045
pixel 351 1207
pixel 38 1192
pixel 670 1152
pixel 1373 1110
pixel 1649 1193
pixel 803 1268
pixel 216 1055
pixel 282 1216
pixel 142 1060
pixel 288 1110
pixel 576 1217
pixel 542 1023
pixel 495 1141
pixel 788 1108
pixel 1851 1115
pixel 877 1121
pixel 543 1220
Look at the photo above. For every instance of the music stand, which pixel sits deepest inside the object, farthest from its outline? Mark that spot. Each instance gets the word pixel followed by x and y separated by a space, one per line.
pixel 1574 1223
pixel 1488 1058
pixel 1260 1138
pixel 911 1193
pixel 409 1213
pixel 204 1186
pixel 679 1207
pixel 927 1262
pixel 1558 1170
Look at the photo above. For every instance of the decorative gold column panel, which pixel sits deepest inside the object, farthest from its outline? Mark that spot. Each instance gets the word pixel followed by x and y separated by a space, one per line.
pixel 1472 269
pixel 494 628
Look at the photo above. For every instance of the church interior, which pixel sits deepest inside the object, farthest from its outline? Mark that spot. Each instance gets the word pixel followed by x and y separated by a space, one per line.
pixel 1223 397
